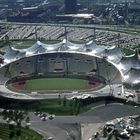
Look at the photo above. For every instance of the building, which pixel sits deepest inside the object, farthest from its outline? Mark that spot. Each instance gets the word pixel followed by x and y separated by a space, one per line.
pixel 70 6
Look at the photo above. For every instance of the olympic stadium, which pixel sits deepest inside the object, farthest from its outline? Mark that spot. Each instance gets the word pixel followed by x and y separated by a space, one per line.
pixel 101 67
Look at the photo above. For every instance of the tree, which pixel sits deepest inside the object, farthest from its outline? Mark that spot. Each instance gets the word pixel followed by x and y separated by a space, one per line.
pixel 27 120
pixel 78 108
pixel 26 138
pixel 18 133
pixel 59 99
pixel 75 105
pixel 12 134
pixel 104 132
pixel 64 101
pixel 11 127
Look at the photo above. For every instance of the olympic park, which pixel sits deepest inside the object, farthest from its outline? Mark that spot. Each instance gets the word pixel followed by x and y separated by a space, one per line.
pixel 70 69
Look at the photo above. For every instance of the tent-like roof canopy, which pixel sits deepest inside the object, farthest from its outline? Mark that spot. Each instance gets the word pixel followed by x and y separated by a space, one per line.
pixel 114 54
pixel 129 67
pixel 126 63
pixel 13 54
pixel 132 78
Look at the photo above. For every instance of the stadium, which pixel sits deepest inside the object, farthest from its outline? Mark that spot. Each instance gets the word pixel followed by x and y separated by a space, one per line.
pixel 48 70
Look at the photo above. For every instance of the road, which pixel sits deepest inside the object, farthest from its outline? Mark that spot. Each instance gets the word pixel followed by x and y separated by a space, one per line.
pixel 61 127
pixel 66 127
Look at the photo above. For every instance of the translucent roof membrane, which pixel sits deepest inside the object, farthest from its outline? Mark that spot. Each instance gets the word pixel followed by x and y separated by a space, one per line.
pixel 129 67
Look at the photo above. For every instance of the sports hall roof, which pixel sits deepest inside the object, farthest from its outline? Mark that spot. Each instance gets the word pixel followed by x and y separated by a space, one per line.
pixel 129 66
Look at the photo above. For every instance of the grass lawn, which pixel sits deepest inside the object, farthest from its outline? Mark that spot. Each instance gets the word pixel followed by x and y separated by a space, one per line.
pixel 52 106
pixel 26 134
pixel 128 51
pixel 23 44
pixel 56 84
pixel 29 43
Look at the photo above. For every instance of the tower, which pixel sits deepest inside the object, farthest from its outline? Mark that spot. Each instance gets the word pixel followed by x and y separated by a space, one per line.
pixel 70 6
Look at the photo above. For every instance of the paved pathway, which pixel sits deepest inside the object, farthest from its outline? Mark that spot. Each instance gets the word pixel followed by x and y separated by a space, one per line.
pixel 61 126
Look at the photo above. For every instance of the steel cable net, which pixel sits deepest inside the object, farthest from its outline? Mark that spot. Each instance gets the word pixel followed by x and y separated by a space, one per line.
pixel 128 66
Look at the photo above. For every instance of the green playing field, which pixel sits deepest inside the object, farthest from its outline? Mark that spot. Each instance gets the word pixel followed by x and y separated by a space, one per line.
pixel 56 84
